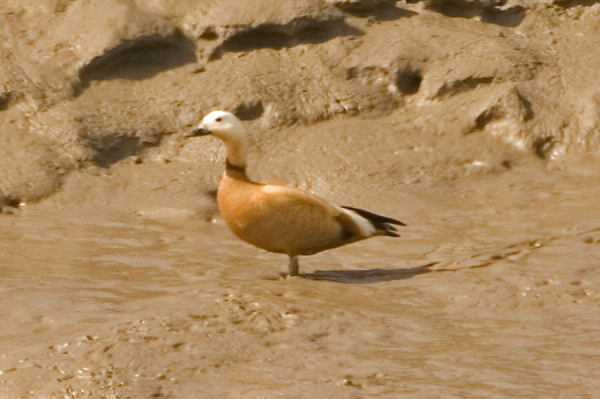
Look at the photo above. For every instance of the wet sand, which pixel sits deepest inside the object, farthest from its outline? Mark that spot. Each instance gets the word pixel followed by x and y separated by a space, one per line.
pixel 475 124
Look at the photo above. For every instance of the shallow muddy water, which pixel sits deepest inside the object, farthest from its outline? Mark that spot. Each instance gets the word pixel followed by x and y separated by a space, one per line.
pixel 491 292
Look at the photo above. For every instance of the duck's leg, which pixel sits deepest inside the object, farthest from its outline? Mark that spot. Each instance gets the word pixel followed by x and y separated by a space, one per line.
pixel 293 270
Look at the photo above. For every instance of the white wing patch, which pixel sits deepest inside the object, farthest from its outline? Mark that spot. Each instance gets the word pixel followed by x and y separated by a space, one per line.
pixel 365 227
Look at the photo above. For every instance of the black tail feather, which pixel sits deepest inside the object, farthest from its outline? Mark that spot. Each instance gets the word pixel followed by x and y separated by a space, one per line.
pixel 375 218
pixel 380 222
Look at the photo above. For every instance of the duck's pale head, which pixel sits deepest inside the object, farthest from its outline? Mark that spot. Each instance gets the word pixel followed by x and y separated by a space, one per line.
pixel 227 127
pixel 221 124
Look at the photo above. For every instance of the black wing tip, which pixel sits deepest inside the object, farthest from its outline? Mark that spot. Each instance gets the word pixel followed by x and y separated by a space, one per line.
pixel 375 218
pixel 387 229
pixel 387 220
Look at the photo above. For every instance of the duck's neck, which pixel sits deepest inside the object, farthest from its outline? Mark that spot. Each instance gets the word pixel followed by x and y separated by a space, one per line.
pixel 236 151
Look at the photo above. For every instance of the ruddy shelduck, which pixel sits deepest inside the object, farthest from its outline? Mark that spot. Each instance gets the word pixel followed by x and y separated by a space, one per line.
pixel 278 218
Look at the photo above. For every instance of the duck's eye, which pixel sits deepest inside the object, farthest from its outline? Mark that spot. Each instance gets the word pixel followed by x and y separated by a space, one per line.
pixel 218 119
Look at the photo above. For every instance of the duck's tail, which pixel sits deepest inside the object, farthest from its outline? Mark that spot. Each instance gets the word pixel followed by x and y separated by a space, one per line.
pixel 383 224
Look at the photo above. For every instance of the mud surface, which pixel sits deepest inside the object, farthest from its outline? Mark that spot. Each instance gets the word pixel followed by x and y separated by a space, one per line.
pixel 475 123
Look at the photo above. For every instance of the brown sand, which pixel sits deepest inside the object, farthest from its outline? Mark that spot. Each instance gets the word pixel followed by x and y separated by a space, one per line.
pixel 476 123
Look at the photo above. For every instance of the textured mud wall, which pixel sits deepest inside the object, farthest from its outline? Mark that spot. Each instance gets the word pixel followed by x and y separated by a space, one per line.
pixel 92 83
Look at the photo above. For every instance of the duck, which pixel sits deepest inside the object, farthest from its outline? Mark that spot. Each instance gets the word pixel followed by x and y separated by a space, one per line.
pixel 279 218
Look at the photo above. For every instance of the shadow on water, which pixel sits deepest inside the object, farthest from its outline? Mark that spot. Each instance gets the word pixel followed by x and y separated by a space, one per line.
pixel 369 276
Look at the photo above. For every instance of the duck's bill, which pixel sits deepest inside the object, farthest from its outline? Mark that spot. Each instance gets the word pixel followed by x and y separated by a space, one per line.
pixel 198 131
